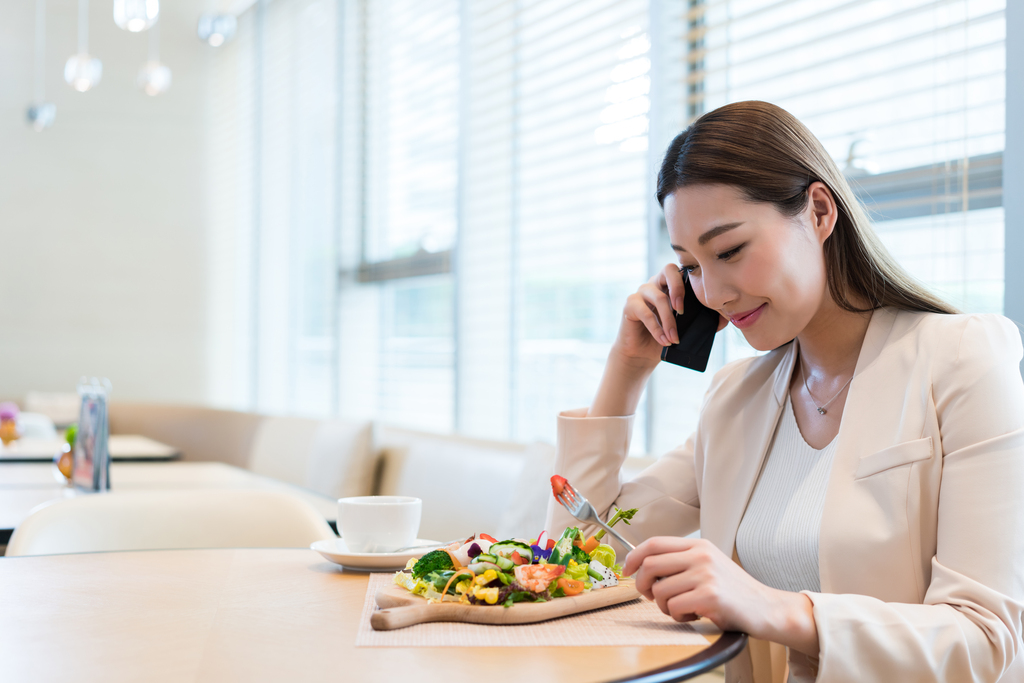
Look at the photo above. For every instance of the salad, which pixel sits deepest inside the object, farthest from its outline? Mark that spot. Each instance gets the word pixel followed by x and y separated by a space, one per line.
pixel 485 571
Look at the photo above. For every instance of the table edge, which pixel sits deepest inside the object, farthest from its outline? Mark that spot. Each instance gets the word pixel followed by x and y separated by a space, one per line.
pixel 728 645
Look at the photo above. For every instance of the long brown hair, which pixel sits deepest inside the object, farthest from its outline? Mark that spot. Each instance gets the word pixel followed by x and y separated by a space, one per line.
pixel 770 156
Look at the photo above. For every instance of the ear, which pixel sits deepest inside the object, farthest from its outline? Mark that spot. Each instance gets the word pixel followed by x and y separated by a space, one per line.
pixel 822 210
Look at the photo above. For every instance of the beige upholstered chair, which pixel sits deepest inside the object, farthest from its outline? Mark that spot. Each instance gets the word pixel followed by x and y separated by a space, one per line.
pixel 334 458
pixel 201 434
pixel 152 520
pixel 467 485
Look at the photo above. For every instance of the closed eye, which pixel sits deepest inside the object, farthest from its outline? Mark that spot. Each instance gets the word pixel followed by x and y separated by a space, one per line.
pixel 726 255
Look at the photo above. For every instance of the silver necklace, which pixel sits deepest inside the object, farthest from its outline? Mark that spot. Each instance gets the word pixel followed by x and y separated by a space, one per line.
pixel 821 408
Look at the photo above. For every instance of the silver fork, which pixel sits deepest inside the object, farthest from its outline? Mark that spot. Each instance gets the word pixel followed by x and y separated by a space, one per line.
pixel 580 508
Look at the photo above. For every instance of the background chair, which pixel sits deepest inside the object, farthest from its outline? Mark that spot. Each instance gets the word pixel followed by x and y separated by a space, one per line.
pixel 153 520
pixel 334 458
pixel 201 434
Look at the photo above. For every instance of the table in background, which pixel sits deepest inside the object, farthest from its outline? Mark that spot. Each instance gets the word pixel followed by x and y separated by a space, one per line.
pixel 123 447
pixel 26 485
pixel 251 615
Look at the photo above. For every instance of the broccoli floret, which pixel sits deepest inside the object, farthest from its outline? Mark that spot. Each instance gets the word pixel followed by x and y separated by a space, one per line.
pixel 434 561
pixel 624 515
pixel 580 555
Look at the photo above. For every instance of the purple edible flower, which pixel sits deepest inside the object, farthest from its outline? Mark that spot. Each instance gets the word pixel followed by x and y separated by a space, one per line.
pixel 473 551
pixel 539 553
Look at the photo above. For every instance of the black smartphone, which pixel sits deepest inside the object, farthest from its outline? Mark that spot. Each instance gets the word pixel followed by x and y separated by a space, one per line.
pixel 697 327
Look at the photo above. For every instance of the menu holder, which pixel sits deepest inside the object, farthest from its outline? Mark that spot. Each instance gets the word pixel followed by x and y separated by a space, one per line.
pixel 91 468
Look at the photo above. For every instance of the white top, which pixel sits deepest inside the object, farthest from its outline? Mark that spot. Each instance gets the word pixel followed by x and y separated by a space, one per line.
pixel 777 541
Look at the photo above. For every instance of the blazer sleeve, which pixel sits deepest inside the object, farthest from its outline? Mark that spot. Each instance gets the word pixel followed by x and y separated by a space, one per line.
pixel 969 625
pixel 591 451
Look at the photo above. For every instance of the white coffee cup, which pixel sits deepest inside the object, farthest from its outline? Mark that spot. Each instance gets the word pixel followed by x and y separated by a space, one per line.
pixel 378 524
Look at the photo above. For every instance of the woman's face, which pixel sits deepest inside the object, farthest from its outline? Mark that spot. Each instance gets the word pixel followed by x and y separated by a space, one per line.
pixel 763 271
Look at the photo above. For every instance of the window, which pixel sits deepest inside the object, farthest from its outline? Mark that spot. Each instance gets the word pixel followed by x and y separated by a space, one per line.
pixel 397 311
pixel 272 248
pixel 431 214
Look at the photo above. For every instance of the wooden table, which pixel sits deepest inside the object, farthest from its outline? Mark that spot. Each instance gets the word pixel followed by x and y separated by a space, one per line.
pixel 249 615
pixel 123 447
pixel 26 485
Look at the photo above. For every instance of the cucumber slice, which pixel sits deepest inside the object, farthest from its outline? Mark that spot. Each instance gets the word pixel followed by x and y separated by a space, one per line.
pixel 505 563
pixel 506 548
pixel 484 557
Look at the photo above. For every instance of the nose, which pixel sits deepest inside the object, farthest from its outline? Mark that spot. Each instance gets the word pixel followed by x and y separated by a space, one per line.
pixel 714 292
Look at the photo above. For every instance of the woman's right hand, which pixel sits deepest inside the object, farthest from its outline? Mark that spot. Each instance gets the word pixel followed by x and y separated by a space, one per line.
pixel 648 324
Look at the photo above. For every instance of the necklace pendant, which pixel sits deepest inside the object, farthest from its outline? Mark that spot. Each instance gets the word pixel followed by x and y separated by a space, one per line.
pixel 822 411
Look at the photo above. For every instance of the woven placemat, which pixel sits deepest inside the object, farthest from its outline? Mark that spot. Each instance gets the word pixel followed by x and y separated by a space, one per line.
pixel 638 622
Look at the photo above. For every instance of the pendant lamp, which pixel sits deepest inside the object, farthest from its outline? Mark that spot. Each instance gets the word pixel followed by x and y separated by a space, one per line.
pixel 83 71
pixel 136 15
pixel 217 29
pixel 154 77
pixel 41 113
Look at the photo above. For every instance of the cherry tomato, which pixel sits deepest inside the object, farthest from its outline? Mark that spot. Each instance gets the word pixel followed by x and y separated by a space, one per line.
pixel 557 485
pixel 570 586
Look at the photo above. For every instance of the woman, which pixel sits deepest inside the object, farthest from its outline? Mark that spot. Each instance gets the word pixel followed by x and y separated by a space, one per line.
pixel 857 487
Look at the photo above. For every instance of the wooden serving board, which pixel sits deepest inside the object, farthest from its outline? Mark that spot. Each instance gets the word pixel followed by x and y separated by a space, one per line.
pixel 400 608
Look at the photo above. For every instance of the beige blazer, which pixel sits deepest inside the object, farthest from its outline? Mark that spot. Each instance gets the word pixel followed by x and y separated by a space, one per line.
pixel 921 551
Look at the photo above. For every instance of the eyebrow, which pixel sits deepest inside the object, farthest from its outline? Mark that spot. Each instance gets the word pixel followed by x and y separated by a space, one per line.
pixel 711 234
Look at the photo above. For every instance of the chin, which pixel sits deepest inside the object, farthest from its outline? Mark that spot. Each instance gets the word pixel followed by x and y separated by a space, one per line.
pixel 767 340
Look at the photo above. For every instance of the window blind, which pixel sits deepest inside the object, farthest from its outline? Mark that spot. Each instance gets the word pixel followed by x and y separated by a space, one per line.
pixel 397 334
pixel 553 234
pixel 482 171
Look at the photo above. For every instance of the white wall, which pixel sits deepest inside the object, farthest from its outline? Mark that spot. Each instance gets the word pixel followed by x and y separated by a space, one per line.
pixel 102 242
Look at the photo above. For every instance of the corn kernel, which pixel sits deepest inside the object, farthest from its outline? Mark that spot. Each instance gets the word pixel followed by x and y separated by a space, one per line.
pixel 488 595
pixel 486 577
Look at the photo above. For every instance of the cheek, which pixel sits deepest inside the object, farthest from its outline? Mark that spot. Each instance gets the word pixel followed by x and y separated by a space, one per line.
pixel 801 281
pixel 792 277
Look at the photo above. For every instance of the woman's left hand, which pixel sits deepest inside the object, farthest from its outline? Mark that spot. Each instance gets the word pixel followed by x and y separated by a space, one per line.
pixel 691 578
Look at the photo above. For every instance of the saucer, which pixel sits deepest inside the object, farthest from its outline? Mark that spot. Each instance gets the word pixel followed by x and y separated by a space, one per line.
pixel 336 551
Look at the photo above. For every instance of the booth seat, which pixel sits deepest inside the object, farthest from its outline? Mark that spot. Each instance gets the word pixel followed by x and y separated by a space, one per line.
pixel 201 434
pixel 467 485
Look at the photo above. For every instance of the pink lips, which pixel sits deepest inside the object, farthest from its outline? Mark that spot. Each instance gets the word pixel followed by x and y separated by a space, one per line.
pixel 749 318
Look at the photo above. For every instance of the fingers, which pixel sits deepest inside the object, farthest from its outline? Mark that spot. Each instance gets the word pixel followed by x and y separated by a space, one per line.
pixel 640 306
pixel 673 277
pixel 636 556
pixel 658 568
pixel 669 587
pixel 680 607
pixel 656 545
pixel 658 303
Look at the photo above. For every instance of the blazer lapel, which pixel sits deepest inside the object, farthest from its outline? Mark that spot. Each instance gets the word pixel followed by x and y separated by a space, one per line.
pixel 860 410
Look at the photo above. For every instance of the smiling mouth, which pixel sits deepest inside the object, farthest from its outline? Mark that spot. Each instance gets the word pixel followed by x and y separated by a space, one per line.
pixel 743 316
